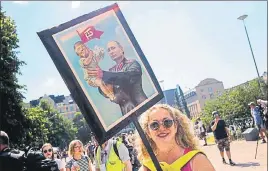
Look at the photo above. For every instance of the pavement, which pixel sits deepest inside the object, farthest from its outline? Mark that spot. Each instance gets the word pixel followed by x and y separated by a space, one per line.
pixel 243 154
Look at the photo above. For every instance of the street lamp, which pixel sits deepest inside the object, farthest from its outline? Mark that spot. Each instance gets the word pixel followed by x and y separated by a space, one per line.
pixel 162 81
pixel 242 18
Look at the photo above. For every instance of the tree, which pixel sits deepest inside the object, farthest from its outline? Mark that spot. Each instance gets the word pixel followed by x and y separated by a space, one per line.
pixel 182 102
pixel 12 115
pixel 233 104
pixel 47 125
pixel 37 133
pixel 84 132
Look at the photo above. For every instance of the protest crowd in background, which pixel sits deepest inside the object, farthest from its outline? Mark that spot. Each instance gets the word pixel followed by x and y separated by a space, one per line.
pixel 165 128
pixel 125 151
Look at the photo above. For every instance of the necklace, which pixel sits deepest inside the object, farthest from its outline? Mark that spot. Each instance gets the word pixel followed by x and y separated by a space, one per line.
pixel 168 157
pixel 166 152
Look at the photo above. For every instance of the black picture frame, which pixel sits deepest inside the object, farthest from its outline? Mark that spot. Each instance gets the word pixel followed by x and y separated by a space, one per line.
pixel 101 133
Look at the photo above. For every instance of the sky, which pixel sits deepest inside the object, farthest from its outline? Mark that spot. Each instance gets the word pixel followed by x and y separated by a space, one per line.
pixel 184 42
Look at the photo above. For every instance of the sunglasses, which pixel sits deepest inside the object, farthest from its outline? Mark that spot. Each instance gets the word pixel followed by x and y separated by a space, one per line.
pixel 49 150
pixel 167 123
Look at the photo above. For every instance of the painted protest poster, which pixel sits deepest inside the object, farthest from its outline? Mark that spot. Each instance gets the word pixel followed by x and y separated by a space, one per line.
pixel 104 69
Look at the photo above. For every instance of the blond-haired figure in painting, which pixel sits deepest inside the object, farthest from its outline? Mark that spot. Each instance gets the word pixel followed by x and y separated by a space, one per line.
pixel 89 59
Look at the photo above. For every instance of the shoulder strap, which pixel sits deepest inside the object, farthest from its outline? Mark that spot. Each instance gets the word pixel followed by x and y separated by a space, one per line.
pixel 116 148
pixel 182 161
pixel 177 165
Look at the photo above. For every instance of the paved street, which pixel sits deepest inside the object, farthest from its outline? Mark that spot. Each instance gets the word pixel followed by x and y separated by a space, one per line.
pixel 243 154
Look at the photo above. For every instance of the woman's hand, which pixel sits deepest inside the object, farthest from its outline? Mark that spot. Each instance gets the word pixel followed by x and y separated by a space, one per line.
pixel 74 168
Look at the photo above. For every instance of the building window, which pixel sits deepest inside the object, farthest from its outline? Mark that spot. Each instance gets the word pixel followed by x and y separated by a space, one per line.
pixel 202 90
pixel 71 108
pixel 66 108
pixel 204 96
pixel 210 89
pixel 218 93
pixel 195 108
pixel 211 96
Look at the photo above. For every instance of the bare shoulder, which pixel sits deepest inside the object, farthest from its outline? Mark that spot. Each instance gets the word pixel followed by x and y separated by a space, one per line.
pixel 201 163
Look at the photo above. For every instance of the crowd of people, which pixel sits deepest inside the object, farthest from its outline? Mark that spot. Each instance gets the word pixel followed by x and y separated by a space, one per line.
pixel 169 133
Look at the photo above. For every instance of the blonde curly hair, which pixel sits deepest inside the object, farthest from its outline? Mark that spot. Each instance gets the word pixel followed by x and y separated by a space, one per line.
pixel 72 145
pixel 184 136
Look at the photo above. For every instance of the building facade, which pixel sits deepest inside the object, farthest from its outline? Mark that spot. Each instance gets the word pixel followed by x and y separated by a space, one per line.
pixel 169 97
pixel 196 98
pixel 65 105
pixel 208 89
pixel 193 103
pixel 67 108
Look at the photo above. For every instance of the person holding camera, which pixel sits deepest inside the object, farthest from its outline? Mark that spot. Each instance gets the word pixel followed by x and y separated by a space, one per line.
pixel 47 151
pixel 28 160
pixel 10 159
pixel 222 137
pixel 202 130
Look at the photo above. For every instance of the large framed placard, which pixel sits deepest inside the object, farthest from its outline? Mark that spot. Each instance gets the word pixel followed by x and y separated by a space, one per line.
pixel 104 68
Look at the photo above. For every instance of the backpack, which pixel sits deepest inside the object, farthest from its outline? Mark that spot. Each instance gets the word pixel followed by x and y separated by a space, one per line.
pixel 133 157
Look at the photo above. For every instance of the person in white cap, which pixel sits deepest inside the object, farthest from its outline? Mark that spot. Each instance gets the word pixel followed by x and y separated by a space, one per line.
pixel 255 113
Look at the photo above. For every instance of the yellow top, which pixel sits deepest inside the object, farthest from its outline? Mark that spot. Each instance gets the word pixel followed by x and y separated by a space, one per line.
pixel 176 165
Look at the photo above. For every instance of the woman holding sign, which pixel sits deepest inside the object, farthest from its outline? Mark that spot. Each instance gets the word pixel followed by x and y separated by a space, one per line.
pixel 168 132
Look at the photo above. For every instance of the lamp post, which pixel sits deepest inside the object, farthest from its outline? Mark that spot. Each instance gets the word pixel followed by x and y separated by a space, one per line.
pixel 162 81
pixel 242 18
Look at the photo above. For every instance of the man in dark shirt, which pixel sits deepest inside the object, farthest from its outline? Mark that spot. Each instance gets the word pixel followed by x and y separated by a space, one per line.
pixel 221 134
pixel 10 160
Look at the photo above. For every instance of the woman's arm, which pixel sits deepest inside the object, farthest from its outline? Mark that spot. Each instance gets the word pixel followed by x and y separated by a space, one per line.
pixel 201 163
pixel 90 165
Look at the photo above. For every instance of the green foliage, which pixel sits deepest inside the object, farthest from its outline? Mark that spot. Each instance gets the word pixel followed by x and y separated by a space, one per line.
pixel 181 102
pixel 47 125
pixel 32 126
pixel 12 115
pixel 84 131
pixel 234 102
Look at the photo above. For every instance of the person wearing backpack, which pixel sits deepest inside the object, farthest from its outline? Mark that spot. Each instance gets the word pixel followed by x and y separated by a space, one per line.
pixel 132 152
pixel 113 155
pixel 263 104
pixel 202 130
pixel 171 138
pixel 255 113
